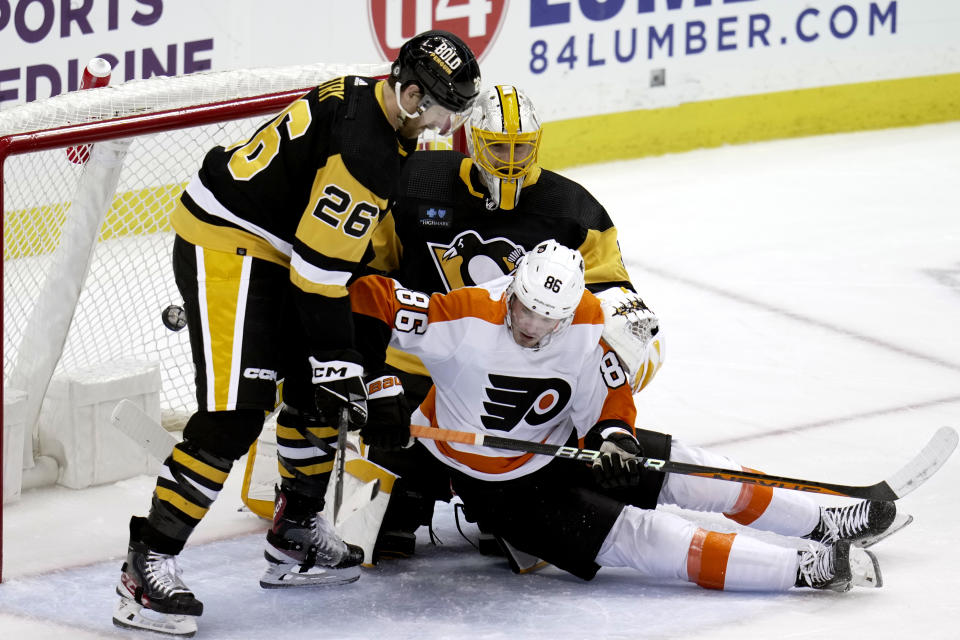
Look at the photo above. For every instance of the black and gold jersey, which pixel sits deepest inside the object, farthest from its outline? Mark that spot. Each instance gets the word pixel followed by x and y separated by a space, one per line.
pixel 306 191
pixel 443 232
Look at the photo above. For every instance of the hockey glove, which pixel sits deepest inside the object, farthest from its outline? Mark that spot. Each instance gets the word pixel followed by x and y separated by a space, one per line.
pixel 388 414
pixel 338 384
pixel 633 331
pixel 617 466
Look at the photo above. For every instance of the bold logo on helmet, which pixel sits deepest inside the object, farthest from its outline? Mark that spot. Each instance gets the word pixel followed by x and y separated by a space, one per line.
pixel 446 56
pixel 470 260
pixel 476 22
pixel 533 400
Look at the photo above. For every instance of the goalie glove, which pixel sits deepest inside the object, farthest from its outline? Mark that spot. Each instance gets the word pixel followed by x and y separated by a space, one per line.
pixel 388 414
pixel 617 466
pixel 338 384
pixel 633 331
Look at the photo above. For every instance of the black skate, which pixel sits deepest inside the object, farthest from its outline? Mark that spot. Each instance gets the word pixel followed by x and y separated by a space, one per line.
pixel 395 544
pixel 864 524
pixel 837 567
pixel 152 595
pixel 304 550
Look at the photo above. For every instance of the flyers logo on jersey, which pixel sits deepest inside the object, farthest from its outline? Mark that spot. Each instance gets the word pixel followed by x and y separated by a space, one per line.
pixel 476 22
pixel 512 399
pixel 471 260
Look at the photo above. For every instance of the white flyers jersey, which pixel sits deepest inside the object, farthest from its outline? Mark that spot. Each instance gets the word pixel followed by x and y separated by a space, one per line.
pixel 484 382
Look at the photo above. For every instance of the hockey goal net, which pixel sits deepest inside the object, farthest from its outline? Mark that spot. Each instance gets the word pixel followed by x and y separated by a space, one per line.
pixel 86 233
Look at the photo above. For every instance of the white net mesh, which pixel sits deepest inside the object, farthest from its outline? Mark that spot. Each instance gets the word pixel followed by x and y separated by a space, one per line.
pixel 163 93
pixel 130 280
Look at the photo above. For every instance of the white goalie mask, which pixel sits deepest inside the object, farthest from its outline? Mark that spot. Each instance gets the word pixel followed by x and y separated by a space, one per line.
pixel 503 137
pixel 546 290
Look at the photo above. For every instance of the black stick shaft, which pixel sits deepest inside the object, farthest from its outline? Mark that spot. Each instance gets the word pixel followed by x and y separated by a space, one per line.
pixel 879 491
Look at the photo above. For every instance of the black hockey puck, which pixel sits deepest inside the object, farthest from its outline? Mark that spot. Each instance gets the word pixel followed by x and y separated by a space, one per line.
pixel 174 318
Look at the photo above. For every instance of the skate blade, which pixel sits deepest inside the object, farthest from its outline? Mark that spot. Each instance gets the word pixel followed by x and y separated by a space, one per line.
pixel 900 521
pixel 129 614
pixel 282 576
pixel 520 562
pixel 864 569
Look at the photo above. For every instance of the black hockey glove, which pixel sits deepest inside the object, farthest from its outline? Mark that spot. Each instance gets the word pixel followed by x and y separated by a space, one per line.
pixel 617 466
pixel 338 384
pixel 388 414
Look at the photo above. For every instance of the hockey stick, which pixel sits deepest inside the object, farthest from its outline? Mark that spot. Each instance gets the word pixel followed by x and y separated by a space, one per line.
pixel 341 461
pixel 131 420
pixel 911 476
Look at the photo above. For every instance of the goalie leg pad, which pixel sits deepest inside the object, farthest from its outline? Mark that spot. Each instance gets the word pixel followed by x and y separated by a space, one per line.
pixel 362 525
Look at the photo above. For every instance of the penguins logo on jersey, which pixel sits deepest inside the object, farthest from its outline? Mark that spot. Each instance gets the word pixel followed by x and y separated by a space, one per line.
pixel 512 399
pixel 470 260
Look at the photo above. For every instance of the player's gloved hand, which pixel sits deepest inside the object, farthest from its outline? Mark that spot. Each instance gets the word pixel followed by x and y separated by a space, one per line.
pixel 338 384
pixel 388 414
pixel 620 302
pixel 633 331
pixel 617 466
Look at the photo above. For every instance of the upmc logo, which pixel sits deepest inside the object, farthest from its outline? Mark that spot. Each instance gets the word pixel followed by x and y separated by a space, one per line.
pixel 396 21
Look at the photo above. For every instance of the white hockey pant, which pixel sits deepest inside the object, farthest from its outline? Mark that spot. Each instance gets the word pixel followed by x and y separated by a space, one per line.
pixel 664 545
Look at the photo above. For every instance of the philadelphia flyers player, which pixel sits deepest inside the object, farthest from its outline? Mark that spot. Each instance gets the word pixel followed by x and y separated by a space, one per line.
pixel 523 357
pixel 269 232
pixel 462 220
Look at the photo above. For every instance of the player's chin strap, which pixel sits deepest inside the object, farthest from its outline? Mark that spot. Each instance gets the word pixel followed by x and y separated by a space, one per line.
pixel 397 90
pixel 633 331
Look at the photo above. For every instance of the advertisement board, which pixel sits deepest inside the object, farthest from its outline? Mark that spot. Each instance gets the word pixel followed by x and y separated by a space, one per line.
pixel 576 58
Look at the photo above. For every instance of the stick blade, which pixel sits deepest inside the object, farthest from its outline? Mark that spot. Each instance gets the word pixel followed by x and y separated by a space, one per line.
pixel 926 463
pixel 131 420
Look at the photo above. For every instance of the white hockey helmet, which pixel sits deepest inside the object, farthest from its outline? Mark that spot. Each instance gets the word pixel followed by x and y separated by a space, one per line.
pixel 549 283
pixel 503 137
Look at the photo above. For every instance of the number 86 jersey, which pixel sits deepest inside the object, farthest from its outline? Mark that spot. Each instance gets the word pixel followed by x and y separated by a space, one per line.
pixel 484 382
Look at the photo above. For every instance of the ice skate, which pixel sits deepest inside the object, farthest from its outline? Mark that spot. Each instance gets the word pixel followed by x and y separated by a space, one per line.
pixel 837 567
pixel 304 550
pixel 152 595
pixel 519 561
pixel 395 544
pixel 864 523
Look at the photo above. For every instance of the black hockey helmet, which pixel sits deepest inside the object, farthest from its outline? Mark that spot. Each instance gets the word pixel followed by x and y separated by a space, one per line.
pixel 443 66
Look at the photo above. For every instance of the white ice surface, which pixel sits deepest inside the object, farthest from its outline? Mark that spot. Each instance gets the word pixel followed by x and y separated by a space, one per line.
pixel 810 294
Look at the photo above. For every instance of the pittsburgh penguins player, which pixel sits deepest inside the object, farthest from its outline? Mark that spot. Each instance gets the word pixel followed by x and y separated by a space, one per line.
pixel 269 232
pixel 462 220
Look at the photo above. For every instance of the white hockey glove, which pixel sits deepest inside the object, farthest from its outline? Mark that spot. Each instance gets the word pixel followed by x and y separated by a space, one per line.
pixel 633 331
pixel 388 414
pixel 339 383
pixel 617 466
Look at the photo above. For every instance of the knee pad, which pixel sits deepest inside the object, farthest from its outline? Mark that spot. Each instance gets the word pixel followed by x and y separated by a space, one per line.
pixel 226 434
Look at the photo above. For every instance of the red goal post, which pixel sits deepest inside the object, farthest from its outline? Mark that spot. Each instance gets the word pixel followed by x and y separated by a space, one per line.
pixel 86 270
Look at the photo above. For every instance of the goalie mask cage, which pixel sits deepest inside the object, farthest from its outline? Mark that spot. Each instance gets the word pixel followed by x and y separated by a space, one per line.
pixel 86 234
